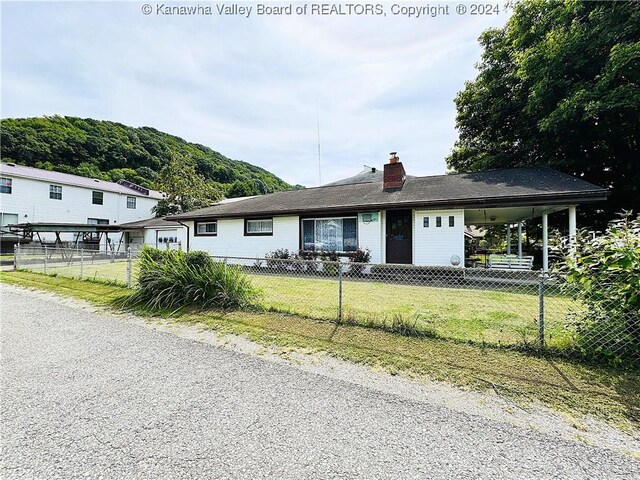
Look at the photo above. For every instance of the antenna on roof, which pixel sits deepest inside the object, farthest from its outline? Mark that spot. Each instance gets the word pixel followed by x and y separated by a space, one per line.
pixel 319 164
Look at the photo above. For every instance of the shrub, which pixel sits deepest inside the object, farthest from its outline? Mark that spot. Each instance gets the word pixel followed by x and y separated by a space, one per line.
pixel 310 257
pixel 198 259
pixel 173 279
pixel 357 258
pixel 274 257
pixel 604 274
pixel 329 263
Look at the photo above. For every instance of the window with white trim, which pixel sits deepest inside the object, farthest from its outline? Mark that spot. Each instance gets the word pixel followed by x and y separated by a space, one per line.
pixel 207 228
pixel 452 221
pixel 131 202
pixel 8 219
pixel 97 198
pixel 438 221
pixel 258 226
pixel 6 185
pixel 55 192
pixel 330 234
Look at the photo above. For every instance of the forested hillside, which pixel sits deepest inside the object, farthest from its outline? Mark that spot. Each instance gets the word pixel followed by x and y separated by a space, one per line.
pixel 111 151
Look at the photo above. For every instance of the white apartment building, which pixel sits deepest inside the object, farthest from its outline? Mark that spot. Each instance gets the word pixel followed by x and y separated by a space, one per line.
pixel 32 195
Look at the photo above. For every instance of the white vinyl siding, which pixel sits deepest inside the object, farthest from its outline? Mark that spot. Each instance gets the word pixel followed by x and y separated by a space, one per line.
pixel 232 241
pixel 436 246
pixel 369 235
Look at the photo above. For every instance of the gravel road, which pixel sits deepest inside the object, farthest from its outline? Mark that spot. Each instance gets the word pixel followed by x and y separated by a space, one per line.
pixel 89 395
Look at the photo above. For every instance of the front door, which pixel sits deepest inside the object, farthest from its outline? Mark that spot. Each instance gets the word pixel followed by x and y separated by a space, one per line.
pixel 399 234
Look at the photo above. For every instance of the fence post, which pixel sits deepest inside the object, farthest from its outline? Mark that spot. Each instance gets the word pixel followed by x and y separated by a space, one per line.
pixel 129 267
pixel 15 256
pixel 45 259
pixel 81 262
pixel 339 292
pixel 541 311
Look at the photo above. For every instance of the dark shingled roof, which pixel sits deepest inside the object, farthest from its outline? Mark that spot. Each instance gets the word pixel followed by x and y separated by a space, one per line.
pixel 149 223
pixel 517 186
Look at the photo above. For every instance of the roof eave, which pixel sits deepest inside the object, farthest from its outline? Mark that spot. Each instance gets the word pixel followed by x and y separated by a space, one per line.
pixel 487 202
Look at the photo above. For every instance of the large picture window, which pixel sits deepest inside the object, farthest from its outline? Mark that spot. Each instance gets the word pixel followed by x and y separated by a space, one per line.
pixel 330 234
pixel 262 226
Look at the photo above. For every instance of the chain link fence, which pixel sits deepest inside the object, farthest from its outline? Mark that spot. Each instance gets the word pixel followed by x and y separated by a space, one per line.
pixel 96 263
pixel 512 308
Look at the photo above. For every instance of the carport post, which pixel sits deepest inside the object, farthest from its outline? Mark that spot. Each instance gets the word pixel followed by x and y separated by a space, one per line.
pixel 16 251
pixel 45 259
pixel 81 261
pixel 519 239
pixel 572 230
pixel 508 239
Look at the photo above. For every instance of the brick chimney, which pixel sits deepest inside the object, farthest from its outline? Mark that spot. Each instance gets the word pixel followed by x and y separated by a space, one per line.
pixel 393 173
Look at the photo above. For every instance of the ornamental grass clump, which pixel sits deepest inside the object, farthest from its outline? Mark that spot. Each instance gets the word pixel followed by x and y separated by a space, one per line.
pixel 174 279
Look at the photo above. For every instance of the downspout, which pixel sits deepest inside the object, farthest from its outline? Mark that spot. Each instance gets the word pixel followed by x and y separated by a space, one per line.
pixel 187 227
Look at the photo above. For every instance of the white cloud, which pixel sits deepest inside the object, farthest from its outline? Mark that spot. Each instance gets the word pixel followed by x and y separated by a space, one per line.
pixel 248 87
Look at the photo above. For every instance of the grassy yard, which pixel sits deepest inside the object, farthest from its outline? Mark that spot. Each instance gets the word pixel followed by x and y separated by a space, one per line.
pixel 467 315
pixel 480 316
pixel 609 394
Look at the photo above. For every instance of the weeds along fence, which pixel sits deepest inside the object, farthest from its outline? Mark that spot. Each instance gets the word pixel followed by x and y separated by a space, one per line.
pixel 520 309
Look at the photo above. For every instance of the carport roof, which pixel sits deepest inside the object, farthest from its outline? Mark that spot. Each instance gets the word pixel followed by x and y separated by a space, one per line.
pixel 494 188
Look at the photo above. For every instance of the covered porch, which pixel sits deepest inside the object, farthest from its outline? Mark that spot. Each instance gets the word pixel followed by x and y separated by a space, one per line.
pixel 512 220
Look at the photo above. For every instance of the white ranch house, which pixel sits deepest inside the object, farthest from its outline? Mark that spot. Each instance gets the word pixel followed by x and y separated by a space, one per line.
pixel 401 219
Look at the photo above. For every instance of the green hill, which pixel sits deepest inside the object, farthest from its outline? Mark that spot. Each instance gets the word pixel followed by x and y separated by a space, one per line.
pixel 111 151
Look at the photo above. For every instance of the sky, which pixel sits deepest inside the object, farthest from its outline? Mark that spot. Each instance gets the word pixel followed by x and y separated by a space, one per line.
pixel 253 88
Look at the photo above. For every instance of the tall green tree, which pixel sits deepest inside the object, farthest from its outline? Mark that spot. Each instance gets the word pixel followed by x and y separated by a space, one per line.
pixel 183 188
pixel 559 86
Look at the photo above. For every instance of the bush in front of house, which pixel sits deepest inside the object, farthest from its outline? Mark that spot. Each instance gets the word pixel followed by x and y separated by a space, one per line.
pixel 357 259
pixel 173 279
pixel 329 263
pixel 604 275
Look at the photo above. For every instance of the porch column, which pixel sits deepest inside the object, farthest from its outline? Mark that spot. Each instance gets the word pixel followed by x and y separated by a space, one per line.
pixel 508 239
pixel 545 243
pixel 572 229
pixel 519 239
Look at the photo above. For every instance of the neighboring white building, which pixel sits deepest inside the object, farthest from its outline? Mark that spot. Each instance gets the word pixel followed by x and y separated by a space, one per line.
pixel 32 195
pixel 399 218
pixel 155 232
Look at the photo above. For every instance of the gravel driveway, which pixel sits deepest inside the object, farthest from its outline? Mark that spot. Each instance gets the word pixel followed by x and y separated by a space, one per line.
pixel 89 395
